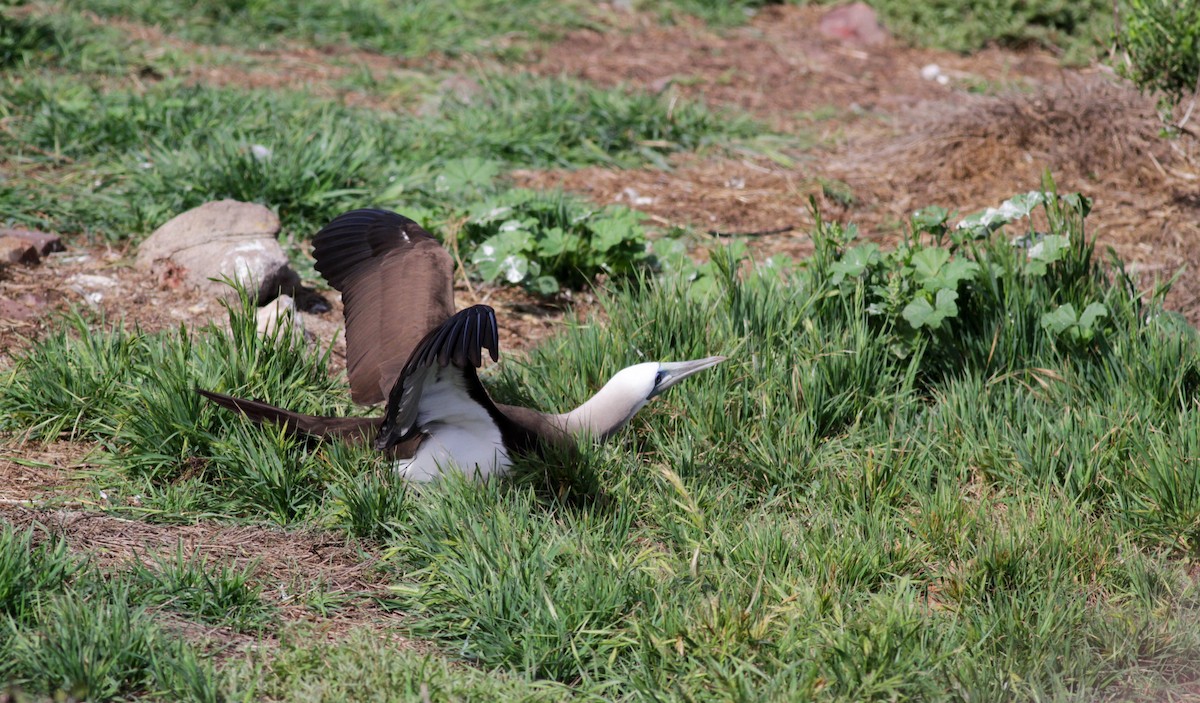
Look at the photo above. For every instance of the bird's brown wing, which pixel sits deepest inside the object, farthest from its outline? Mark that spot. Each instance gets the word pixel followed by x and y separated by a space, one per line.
pixel 456 346
pixel 353 429
pixel 397 284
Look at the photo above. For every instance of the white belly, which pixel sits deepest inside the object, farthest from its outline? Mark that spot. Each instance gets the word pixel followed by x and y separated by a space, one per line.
pixel 459 435
pixel 476 451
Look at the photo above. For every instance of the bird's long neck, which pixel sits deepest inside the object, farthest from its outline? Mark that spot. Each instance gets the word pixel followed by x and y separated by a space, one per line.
pixel 604 413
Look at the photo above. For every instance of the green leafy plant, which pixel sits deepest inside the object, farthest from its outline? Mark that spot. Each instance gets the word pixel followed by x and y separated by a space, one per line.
pixel 548 241
pixel 1076 328
pixel 1081 28
pixel 941 275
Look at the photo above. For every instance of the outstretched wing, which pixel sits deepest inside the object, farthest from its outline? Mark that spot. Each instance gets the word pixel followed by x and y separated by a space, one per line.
pixel 397 284
pixel 439 379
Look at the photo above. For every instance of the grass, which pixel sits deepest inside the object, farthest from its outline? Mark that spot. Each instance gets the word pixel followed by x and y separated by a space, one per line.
pixel 850 508
pixel 220 595
pixel 913 478
pixel 1079 31
pixel 363 668
pixel 124 161
pixel 69 632
pixel 406 29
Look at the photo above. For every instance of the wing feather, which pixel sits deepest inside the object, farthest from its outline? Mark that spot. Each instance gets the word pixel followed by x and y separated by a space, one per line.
pixel 457 343
pixel 397 284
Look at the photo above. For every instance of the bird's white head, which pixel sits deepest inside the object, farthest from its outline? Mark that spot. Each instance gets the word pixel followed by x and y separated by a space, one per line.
pixel 627 391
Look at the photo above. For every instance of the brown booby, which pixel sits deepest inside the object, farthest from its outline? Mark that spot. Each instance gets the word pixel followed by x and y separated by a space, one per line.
pixel 405 343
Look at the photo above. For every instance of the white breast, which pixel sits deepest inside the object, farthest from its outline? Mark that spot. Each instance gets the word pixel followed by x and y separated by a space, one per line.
pixel 460 434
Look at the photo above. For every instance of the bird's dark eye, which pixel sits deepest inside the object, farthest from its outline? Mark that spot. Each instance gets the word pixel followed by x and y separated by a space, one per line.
pixel 658 378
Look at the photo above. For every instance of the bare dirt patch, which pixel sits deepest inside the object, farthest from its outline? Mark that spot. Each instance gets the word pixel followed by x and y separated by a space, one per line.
pixel 102 283
pixel 291 566
pixel 779 66
pixel 1093 134
pixel 36 472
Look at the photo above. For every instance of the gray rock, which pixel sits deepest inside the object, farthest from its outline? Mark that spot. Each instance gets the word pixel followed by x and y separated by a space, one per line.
pixel 226 238
pixel 277 314
pixel 44 242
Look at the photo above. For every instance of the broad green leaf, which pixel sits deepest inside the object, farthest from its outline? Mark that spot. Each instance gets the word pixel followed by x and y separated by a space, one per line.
pixel 930 219
pixel 1061 319
pixel 554 242
pixel 1050 248
pixel 503 256
pixel 951 274
pixel 514 268
pixel 465 174
pixel 991 219
pixel 927 262
pixel 920 313
pixel 854 263
pixel 1092 313
pixel 610 232
pixel 1080 203
pixel 1046 251
pixel 544 285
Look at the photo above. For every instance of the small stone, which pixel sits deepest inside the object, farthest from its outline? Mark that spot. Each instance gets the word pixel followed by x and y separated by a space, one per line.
pixel 91 286
pixel 45 242
pixel 854 23
pixel 18 251
pixel 281 312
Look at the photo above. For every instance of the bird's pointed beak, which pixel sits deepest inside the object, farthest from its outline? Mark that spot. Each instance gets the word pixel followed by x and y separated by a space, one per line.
pixel 672 372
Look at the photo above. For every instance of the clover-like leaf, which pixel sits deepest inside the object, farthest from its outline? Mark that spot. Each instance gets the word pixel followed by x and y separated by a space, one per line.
pixel 927 262
pixel 1065 323
pixel 920 313
pixel 1060 319
pixel 854 263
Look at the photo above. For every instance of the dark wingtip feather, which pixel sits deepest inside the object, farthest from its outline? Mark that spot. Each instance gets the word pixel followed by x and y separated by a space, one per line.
pixel 357 236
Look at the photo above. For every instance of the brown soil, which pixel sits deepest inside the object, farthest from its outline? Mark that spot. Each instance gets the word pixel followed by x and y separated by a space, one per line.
pixel 290 566
pixel 40 472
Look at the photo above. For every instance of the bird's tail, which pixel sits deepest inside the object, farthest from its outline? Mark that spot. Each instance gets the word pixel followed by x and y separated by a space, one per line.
pixel 352 428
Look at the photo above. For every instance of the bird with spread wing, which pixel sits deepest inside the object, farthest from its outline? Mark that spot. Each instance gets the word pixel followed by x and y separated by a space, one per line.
pixel 406 344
